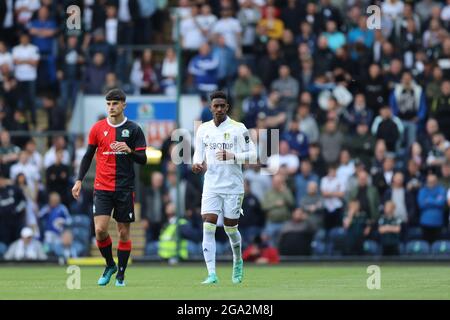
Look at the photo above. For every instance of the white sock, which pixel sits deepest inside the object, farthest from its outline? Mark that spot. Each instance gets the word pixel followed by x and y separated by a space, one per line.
pixel 209 246
pixel 235 241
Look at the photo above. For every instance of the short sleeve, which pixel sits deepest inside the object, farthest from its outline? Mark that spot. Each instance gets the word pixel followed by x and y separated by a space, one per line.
pixel 140 143
pixel 92 140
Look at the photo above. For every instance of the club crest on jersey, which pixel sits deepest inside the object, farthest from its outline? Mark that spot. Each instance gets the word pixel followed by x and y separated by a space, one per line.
pixel 125 133
pixel 105 133
pixel 226 136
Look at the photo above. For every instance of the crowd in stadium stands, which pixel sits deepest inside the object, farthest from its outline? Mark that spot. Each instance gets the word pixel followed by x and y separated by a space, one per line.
pixel 363 116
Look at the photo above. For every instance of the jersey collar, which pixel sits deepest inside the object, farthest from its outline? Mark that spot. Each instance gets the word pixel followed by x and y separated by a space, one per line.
pixel 116 125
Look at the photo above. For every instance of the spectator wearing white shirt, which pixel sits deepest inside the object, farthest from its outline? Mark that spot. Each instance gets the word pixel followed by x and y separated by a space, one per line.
pixel 191 33
pixel 333 192
pixel 230 28
pixel 5 58
pixel 26 59
pixel 445 13
pixel 169 73
pixel 248 16
pixel 283 159
pixel 346 167
pixel 206 20
pixel 50 156
pixel 26 248
pixel 24 10
pixel 30 171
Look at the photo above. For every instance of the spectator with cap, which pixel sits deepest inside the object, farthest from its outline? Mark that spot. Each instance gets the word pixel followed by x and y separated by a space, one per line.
pixel 26 248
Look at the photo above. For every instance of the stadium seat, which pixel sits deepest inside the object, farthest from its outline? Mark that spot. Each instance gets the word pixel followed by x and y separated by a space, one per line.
pixel 81 234
pixel 371 248
pixel 441 247
pixel 80 220
pixel 417 247
pixel 336 241
pixel 414 233
pixel 3 249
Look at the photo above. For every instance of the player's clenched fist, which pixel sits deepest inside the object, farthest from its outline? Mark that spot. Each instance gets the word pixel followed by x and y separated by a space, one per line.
pixel 197 168
pixel 76 190
pixel 223 155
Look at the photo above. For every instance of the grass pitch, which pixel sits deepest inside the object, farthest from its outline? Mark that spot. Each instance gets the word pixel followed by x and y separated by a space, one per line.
pixel 182 282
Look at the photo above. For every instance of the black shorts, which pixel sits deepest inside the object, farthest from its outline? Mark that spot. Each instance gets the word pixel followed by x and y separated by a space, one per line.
pixel 121 201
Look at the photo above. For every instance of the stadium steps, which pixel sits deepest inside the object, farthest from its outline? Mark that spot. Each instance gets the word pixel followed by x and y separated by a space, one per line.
pixel 137 237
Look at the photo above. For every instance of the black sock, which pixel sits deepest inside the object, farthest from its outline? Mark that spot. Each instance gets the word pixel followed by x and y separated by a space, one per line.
pixel 123 253
pixel 105 247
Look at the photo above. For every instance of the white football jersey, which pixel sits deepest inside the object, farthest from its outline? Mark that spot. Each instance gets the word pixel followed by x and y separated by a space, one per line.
pixel 224 176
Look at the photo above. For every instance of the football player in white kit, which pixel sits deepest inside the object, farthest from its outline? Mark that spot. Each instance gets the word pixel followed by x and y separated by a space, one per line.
pixel 222 145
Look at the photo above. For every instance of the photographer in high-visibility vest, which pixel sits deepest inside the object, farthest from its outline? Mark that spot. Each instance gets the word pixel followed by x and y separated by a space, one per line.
pixel 167 248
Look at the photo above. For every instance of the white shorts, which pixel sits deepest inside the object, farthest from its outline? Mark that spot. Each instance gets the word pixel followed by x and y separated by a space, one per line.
pixel 226 205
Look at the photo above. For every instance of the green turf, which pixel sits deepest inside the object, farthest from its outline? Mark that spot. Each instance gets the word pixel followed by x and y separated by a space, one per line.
pixel 318 281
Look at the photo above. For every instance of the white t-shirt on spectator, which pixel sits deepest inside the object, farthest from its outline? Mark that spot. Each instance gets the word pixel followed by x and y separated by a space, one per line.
pixel 50 157
pixel 445 13
pixel 36 160
pixel 111 27
pixel 123 12
pixel 392 10
pixel 26 15
pixel 25 71
pixel 230 28
pixel 329 184
pixel 191 34
pixel 277 160
pixel 207 22
pixel 345 171
pixel 169 68
pixel 30 171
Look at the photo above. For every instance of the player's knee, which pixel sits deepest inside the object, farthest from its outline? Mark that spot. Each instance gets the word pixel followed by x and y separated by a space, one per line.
pixel 124 235
pixel 101 233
